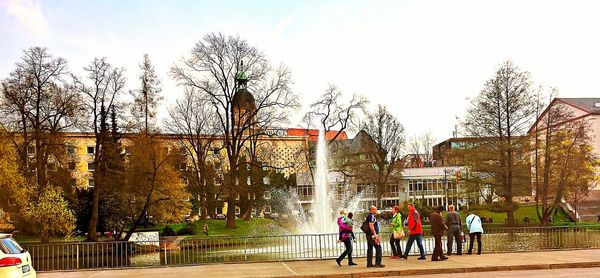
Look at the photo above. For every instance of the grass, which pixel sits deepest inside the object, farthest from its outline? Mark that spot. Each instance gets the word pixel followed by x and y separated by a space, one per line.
pixel 253 227
pixel 499 218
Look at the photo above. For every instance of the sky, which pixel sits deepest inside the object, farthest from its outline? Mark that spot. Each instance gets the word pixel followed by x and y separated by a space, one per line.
pixel 422 59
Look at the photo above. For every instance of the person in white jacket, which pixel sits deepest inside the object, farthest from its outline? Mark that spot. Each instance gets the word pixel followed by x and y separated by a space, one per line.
pixel 475 230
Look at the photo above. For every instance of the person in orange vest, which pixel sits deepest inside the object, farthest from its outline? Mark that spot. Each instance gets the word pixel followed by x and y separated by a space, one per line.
pixel 415 231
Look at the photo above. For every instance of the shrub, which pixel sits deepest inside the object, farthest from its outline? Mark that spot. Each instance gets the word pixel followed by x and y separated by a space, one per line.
pixel 49 216
pixel 168 231
pixel 189 229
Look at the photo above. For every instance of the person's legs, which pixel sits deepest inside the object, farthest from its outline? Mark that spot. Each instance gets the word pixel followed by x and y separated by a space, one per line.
pixel 343 255
pixel 458 239
pixel 394 251
pixel 398 247
pixel 449 240
pixel 378 254
pixel 370 245
pixel 478 243
pixel 409 244
pixel 437 250
pixel 420 245
pixel 471 239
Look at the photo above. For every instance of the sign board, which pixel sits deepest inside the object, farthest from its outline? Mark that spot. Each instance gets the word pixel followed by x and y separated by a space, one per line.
pixel 145 238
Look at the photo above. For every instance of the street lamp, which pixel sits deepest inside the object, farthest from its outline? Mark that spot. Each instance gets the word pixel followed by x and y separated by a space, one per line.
pixel 446 187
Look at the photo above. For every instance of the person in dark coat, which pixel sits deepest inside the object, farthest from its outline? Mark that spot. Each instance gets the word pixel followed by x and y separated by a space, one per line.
pixel 373 240
pixel 437 230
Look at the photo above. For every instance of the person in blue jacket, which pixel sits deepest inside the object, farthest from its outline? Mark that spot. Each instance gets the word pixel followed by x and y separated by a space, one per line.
pixel 475 230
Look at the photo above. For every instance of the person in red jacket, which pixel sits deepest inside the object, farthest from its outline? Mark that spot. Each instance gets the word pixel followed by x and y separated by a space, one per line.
pixel 414 230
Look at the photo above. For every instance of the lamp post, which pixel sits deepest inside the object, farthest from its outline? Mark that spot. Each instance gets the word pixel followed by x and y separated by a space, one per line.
pixel 446 187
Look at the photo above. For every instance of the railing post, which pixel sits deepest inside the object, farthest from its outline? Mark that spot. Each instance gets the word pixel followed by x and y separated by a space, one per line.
pixel 320 248
pixel 166 262
pixel 77 252
pixel 245 248
pixel 587 239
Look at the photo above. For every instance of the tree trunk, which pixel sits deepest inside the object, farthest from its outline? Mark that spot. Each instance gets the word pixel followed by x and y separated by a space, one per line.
pixel 230 212
pixel 510 211
pixel 94 217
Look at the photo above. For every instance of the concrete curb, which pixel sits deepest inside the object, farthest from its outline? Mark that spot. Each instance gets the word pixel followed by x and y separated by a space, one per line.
pixel 384 273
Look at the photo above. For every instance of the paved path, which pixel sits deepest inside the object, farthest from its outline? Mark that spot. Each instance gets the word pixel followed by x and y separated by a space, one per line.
pixel 554 261
pixel 557 273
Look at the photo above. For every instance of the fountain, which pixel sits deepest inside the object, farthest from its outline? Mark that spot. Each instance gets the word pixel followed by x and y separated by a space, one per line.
pixel 324 215
pixel 323 218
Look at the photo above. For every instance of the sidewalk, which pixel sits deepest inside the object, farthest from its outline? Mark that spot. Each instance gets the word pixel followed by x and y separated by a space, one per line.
pixel 328 268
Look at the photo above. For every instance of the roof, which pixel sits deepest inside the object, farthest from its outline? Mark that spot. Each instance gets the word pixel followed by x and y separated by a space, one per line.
pixel 313 134
pixel 585 104
pixel 241 76
pixel 244 100
pixel 430 172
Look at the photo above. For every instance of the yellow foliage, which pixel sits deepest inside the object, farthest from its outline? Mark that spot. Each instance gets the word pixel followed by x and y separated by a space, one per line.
pixel 14 195
pixel 152 181
pixel 49 216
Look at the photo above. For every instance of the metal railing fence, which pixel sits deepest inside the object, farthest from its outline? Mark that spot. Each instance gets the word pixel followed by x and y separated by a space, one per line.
pixel 118 254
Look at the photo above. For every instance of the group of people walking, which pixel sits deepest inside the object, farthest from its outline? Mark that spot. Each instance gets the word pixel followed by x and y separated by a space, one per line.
pixel 451 225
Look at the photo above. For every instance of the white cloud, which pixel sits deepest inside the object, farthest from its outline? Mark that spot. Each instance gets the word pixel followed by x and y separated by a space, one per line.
pixel 28 13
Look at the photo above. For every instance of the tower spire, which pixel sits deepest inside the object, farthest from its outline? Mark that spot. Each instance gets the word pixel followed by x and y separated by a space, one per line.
pixel 241 79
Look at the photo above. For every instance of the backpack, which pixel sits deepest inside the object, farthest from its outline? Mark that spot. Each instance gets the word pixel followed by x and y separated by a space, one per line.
pixel 365 226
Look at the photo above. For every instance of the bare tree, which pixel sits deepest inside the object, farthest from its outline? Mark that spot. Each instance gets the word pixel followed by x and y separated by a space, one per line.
pixel 38 104
pixel 415 148
pixel 331 113
pixel 102 91
pixel 388 137
pixel 192 119
pixel 147 98
pixel 500 115
pixel 427 141
pixel 225 70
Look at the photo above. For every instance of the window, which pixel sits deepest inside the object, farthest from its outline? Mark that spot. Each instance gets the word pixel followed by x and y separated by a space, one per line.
pixel 237 210
pixel 10 246
pixel 90 150
pixel 71 150
pixel 90 166
pixel 183 166
pixel 72 165
pixel 31 150
pixel 306 190
pixel 267 195
pixel 91 183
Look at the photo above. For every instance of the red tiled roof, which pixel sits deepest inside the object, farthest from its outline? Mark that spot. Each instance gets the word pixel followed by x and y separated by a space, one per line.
pixel 313 134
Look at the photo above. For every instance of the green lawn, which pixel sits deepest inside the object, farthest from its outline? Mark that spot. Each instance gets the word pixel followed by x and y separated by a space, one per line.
pixel 523 211
pixel 253 227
